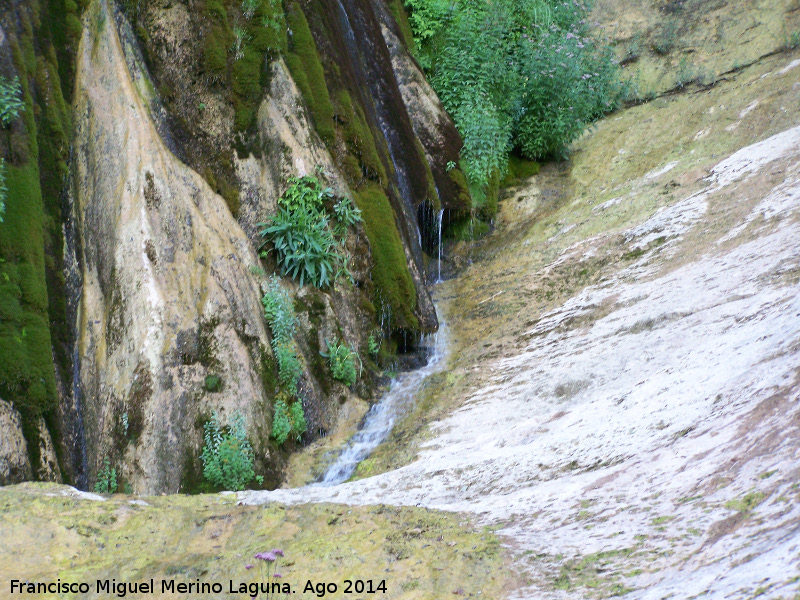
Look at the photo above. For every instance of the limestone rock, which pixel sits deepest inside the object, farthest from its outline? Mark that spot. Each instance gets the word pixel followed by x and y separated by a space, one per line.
pixel 14 465
pixel 167 298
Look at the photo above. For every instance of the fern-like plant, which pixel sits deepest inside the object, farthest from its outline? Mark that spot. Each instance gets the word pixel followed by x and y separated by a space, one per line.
pixel 305 243
pixel 342 362
pixel 11 104
pixel 289 420
pixel 106 479
pixel 227 454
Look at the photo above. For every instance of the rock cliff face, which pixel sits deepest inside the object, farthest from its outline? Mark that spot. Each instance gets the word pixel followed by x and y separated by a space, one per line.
pixel 167 300
pixel 174 162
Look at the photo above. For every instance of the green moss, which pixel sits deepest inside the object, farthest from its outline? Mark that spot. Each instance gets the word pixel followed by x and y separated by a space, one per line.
pixel 27 377
pixel 215 50
pixel 466 230
pixel 457 177
pixel 400 16
pixel 212 383
pixel 306 68
pixel 362 160
pixel 394 289
pixel 519 169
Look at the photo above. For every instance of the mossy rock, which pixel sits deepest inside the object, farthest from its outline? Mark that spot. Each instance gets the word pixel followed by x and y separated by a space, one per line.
pixel 395 293
pixel 306 69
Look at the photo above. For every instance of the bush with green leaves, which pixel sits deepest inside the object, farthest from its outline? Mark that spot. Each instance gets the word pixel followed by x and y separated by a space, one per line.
pixel 289 420
pixel 513 73
pixel 279 312
pixel 307 247
pixel 106 479
pixel 227 454
pixel 11 104
pixel 373 346
pixel 342 362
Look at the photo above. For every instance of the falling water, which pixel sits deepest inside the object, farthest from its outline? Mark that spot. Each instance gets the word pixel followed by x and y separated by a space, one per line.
pixel 439 276
pixel 400 398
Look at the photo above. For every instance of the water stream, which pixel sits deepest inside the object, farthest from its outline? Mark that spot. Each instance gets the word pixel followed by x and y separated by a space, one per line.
pixel 400 398
pixel 439 275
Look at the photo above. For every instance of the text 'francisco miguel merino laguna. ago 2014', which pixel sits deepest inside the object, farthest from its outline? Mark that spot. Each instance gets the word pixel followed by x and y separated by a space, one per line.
pixel 120 589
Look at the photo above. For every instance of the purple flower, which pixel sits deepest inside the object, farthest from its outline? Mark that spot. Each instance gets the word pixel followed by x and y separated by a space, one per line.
pixel 248 567
pixel 277 575
pixel 267 556
pixel 277 552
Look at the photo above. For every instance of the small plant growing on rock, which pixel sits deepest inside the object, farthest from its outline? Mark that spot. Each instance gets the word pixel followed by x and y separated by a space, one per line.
pixel 342 362
pixel 11 104
pixel 227 455
pixel 373 346
pixel 106 479
pixel 249 8
pixel 288 421
pixel 305 244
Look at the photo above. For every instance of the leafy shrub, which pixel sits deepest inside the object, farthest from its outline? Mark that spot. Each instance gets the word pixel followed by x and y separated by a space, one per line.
pixel 228 456
pixel 11 103
pixel 282 323
pixel 306 245
pixel 513 73
pixel 288 420
pixel 279 312
pixel 342 362
pixel 373 346
pixel 289 368
pixel 106 479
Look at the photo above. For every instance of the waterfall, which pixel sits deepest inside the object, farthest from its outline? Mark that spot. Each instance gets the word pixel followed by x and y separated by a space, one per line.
pixel 380 419
pixel 439 276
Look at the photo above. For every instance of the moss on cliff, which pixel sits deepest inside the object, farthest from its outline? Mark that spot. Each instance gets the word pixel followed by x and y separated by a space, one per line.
pixel 306 68
pixel 394 288
pixel 32 307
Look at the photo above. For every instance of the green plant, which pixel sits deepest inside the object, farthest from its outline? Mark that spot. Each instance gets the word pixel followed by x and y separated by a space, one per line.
pixel 289 368
pixel 513 73
pixel 240 38
pixel 793 40
pixel 106 479
pixel 373 346
pixel 249 8
pixel 279 312
pixel 212 383
pixel 282 323
pixel 11 104
pixel 227 454
pixel 288 420
pixel 301 235
pixel 342 362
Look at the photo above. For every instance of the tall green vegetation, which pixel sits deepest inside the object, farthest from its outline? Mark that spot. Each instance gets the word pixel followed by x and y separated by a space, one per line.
pixel 227 454
pixel 519 74
pixel 288 418
pixel 309 247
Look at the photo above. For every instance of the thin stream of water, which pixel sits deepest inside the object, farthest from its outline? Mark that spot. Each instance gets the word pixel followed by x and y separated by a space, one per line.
pixel 381 417
pixel 439 275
